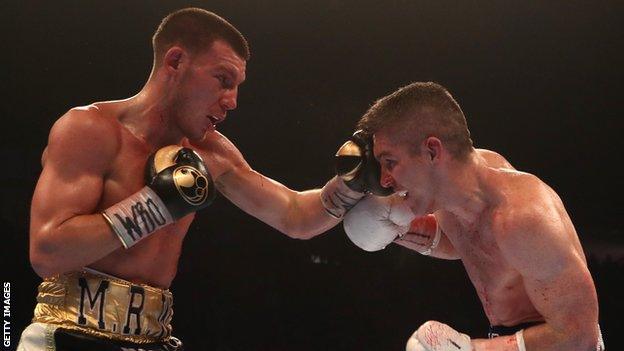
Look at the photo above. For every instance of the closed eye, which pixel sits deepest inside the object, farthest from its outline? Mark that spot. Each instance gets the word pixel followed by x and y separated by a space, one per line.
pixel 224 81
pixel 389 164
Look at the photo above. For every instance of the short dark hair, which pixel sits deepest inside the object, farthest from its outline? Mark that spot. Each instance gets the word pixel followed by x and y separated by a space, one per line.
pixel 195 30
pixel 417 111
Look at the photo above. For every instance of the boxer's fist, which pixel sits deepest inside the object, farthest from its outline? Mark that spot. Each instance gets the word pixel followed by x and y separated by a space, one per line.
pixel 376 221
pixel 436 336
pixel 357 166
pixel 177 184
pixel 179 177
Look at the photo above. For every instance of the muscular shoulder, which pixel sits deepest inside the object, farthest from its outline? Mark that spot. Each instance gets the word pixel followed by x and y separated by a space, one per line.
pixel 529 222
pixel 85 135
pixel 494 159
pixel 523 199
pixel 219 153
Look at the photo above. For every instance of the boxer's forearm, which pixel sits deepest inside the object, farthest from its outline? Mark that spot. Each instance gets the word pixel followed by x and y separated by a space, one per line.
pixel 296 214
pixel 71 245
pixel 443 250
pixel 545 337
pixel 542 338
pixel 501 343
pixel 308 218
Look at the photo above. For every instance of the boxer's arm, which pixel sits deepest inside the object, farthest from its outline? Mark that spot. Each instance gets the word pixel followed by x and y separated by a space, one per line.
pixel 64 234
pixel 537 242
pixel 421 238
pixel 444 249
pixel 298 214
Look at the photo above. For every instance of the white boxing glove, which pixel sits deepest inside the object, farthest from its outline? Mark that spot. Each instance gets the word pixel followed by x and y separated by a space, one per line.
pixel 375 222
pixel 436 336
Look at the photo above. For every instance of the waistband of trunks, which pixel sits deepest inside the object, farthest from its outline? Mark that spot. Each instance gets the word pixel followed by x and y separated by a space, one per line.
pixel 105 306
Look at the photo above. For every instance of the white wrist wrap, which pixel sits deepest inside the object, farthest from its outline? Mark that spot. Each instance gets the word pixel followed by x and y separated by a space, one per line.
pixel 137 216
pixel 435 242
pixel 338 198
pixel 520 340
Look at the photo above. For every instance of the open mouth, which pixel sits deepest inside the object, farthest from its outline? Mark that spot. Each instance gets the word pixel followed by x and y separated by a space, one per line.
pixel 214 120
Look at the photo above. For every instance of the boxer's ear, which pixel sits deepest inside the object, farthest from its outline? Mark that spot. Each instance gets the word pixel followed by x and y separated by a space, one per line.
pixel 173 58
pixel 434 148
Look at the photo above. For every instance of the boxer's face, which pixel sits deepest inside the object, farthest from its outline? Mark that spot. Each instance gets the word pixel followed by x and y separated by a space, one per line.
pixel 404 170
pixel 208 89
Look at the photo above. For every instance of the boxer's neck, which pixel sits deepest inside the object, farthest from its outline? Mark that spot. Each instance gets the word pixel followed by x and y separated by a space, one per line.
pixel 147 115
pixel 462 189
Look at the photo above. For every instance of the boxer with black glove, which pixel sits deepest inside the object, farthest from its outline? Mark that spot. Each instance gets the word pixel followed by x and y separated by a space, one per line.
pixel 357 166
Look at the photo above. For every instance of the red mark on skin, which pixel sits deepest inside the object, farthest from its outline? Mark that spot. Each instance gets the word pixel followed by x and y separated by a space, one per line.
pixel 424 224
pixel 511 340
pixel 543 293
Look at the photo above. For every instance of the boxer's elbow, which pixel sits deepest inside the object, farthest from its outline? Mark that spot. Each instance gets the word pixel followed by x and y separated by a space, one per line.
pixel 44 256
pixel 41 268
pixel 581 335
pixel 587 338
pixel 42 265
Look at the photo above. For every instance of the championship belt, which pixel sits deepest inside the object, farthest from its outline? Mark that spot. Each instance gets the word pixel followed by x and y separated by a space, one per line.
pixel 104 306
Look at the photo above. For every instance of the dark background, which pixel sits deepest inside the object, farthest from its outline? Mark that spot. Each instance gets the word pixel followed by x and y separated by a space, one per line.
pixel 540 82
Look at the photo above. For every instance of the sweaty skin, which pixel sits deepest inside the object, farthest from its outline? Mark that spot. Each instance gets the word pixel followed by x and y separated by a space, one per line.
pixel 92 162
pixel 513 235
pixel 96 157
pixel 422 230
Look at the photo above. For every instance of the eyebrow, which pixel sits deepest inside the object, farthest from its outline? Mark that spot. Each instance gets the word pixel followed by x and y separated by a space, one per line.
pixel 231 72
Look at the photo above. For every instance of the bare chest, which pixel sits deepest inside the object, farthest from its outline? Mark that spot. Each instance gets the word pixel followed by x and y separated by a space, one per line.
pixel 479 252
pixel 497 283
pixel 126 175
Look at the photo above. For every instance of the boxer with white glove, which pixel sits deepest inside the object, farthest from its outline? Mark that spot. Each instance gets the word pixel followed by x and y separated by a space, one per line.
pixel 437 336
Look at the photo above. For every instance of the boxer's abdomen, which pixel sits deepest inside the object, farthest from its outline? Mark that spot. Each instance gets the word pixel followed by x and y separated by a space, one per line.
pixel 501 291
pixel 153 262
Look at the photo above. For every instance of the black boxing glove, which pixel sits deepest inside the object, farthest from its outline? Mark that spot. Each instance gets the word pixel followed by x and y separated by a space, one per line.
pixel 177 184
pixel 179 177
pixel 358 174
pixel 357 166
